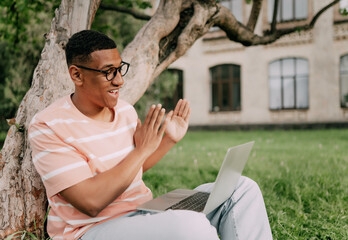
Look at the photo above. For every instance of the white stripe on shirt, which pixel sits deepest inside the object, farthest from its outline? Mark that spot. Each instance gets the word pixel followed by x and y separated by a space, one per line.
pixel 59 204
pixel 84 221
pixel 63 169
pixel 48 151
pixel 55 237
pixel 134 185
pixel 131 199
pixel 54 218
pixel 39 132
pixel 67 229
pixel 101 136
pixel 65 121
pixel 117 154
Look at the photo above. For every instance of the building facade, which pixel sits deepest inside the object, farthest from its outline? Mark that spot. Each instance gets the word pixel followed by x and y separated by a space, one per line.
pixel 302 78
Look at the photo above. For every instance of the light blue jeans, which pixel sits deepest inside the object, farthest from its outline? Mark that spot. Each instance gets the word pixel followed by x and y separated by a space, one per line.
pixel 242 216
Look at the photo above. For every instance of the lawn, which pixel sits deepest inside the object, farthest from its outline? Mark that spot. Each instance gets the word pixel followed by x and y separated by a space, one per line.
pixel 302 174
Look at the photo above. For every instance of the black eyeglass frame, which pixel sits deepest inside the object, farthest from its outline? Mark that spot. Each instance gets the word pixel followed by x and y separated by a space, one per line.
pixel 117 69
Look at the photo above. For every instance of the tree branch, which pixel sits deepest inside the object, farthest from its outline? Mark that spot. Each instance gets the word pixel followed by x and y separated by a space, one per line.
pixel 199 23
pixel 240 33
pixel 254 15
pixel 315 18
pixel 274 18
pixel 136 14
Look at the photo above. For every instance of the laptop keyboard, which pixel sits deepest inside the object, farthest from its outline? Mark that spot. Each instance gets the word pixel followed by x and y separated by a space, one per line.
pixel 195 202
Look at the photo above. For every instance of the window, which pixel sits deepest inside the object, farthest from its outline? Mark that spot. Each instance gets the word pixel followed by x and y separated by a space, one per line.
pixel 344 6
pixel 225 81
pixel 344 80
pixel 288 83
pixel 288 10
pixel 235 6
pixel 170 102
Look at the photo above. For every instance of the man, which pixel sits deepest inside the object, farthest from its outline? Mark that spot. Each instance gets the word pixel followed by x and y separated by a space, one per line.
pixel 91 151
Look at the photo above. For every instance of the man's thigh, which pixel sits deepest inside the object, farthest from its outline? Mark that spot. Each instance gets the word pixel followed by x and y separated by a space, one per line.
pixel 171 225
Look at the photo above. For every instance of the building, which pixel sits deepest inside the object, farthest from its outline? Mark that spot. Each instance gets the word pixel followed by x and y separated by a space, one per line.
pixel 302 78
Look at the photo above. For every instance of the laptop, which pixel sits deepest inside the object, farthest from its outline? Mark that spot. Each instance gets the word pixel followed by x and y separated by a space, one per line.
pixel 225 184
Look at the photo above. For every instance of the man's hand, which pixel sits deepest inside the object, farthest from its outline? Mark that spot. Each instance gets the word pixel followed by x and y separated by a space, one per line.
pixel 148 136
pixel 178 121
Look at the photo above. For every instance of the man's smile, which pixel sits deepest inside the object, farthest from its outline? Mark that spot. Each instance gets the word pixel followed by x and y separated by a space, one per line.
pixel 114 91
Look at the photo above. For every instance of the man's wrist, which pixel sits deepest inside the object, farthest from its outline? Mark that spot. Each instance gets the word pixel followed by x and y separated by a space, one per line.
pixel 168 140
pixel 141 153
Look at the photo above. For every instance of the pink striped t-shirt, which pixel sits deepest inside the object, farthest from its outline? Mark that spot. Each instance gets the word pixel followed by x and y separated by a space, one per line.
pixel 68 147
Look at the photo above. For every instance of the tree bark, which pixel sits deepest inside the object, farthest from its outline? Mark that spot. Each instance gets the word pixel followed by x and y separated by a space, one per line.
pixel 22 195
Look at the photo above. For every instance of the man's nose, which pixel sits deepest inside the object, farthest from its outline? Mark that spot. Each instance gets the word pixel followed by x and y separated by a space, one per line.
pixel 118 79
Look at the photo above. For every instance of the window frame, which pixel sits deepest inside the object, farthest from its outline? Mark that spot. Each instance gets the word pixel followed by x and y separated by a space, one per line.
pixel 220 81
pixel 280 17
pixel 266 26
pixel 338 17
pixel 170 102
pixel 343 105
pixel 294 77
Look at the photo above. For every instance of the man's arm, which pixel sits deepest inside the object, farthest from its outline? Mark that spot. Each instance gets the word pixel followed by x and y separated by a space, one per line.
pixel 92 195
pixel 164 147
pixel 175 131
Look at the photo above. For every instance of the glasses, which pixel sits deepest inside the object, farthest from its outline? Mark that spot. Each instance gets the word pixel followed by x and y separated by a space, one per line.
pixel 111 73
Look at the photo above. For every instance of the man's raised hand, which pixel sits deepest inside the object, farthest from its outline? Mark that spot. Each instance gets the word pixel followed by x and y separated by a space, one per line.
pixel 178 121
pixel 148 135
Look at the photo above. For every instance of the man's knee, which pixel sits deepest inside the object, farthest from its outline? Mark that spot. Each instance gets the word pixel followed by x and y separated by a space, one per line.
pixel 192 225
pixel 248 183
pixel 247 187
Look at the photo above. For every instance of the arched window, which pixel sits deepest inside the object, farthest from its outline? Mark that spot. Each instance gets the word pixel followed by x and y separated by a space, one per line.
pixel 288 83
pixel 225 85
pixel 344 80
pixel 288 10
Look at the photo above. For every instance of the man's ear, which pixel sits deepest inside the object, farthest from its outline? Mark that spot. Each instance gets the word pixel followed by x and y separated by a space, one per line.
pixel 76 75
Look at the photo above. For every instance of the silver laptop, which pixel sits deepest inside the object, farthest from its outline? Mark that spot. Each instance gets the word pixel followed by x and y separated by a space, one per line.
pixel 225 184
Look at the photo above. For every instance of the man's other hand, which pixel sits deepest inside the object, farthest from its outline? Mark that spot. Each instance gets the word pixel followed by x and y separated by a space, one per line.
pixel 178 121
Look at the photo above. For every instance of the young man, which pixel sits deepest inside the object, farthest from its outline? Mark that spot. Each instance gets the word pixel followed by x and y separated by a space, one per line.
pixel 91 150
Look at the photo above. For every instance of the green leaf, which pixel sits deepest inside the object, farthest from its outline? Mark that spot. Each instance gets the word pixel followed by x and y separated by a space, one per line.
pixel 343 11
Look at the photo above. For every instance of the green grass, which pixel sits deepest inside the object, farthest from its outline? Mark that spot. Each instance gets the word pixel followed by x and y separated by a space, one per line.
pixel 302 174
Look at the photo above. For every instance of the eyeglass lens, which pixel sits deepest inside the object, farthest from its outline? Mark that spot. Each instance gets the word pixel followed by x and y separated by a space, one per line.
pixel 112 72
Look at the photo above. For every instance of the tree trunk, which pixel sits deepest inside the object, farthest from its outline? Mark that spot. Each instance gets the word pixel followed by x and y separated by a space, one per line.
pixel 22 195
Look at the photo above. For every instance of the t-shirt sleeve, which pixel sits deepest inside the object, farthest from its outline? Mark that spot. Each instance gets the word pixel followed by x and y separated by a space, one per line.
pixel 59 164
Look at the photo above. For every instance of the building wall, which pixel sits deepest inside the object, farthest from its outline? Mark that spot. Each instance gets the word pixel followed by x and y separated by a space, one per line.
pixel 322 47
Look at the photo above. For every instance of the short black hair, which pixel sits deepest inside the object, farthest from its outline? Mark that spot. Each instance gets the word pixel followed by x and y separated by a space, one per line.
pixel 83 43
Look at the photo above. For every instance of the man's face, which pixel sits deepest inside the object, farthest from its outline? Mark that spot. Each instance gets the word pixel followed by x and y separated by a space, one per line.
pixel 96 88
